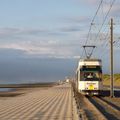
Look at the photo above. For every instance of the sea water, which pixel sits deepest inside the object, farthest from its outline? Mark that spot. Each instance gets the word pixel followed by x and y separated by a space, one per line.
pixel 5 89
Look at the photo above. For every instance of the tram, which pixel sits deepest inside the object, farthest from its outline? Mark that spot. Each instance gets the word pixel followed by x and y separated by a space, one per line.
pixel 88 78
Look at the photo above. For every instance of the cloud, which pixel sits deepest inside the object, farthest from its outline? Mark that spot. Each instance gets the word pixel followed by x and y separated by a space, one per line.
pixel 7 32
pixel 74 24
pixel 26 34
pixel 89 2
pixel 71 29
pixel 107 6
pixel 52 47
pixel 49 48
pixel 93 2
pixel 77 19
pixel 44 44
pixel 115 10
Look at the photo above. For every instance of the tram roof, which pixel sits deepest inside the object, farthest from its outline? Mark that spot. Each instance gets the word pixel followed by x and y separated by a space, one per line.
pixel 89 62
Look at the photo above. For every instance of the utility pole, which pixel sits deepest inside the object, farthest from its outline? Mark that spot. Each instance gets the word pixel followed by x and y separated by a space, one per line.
pixel 111 60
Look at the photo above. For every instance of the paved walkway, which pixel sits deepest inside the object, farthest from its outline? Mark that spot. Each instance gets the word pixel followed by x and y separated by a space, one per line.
pixel 43 104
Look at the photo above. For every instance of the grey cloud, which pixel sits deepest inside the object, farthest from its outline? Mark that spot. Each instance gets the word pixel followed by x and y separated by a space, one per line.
pixel 43 48
pixel 20 31
pixel 106 6
pixel 90 2
pixel 33 31
pixel 8 31
pixel 71 29
pixel 77 19
pixel 115 10
pixel 12 33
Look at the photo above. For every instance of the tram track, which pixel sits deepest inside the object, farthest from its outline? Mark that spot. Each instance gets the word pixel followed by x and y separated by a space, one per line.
pixel 97 107
pixel 108 110
pixel 86 109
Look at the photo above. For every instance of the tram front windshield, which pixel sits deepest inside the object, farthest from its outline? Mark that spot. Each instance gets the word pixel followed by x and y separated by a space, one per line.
pixel 90 74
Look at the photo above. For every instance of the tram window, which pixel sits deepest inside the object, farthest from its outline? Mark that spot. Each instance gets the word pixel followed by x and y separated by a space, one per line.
pixel 93 75
pixel 81 76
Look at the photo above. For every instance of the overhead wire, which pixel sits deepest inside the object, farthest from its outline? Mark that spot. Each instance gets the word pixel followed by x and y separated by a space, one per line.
pixel 105 19
pixel 104 43
pixel 92 23
pixel 107 43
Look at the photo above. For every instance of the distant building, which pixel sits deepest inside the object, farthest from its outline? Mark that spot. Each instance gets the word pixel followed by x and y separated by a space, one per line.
pixel 67 80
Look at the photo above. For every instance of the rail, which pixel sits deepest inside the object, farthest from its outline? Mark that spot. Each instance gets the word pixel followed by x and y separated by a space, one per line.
pixel 108 110
pixel 85 108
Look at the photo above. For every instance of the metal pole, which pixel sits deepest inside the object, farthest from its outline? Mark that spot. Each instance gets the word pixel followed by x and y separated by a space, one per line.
pixel 111 59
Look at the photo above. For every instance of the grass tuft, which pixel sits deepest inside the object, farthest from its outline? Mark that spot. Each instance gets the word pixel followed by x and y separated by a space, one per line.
pixel 106 79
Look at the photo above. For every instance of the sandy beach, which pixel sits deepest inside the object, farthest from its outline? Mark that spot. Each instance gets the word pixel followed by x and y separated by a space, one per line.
pixel 38 104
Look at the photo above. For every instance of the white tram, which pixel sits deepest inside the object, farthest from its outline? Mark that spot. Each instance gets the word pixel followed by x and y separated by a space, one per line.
pixel 89 76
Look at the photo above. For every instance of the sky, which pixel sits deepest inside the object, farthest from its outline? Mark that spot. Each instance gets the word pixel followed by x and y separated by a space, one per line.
pixel 43 27
pixel 52 29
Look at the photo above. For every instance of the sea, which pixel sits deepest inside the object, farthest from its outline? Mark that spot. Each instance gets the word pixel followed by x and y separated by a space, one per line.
pixel 18 70
pixel 34 70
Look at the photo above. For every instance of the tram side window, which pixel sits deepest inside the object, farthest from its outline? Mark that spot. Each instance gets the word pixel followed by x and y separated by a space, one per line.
pixel 81 76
